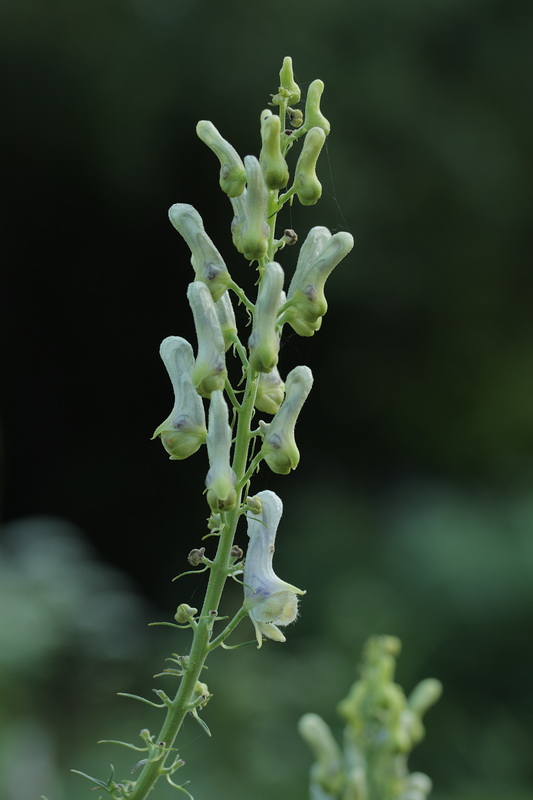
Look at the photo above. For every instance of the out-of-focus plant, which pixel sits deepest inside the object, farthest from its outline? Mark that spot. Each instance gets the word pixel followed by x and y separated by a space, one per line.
pixel 382 727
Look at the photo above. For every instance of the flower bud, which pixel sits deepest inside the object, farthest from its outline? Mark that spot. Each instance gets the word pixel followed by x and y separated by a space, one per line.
pixel 289 89
pixel 270 392
pixel 307 186
pixel 313 116
pixel 209 372
pixel 184 613
pixel 327 772
pixel 279 446
pixel 226 318
pixel 274 166
pixel 220 480
pixel 207 262
pixel 183 432
pixel 264 340
pixel 249 228
pixel 232 173
pixel 306 302
pixel 269 601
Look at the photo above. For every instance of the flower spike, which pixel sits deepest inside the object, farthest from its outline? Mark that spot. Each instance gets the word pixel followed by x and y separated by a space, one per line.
pixel 269 600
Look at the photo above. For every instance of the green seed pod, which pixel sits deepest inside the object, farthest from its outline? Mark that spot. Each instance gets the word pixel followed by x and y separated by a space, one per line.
pixel 270 392
pixel 183 432
pixel 249 228
pixel 226 317
pixel 274 166
pixel 313 116
pixel 220 480
pixel 308 187
pixel 232 173
pixel 306 303
pixel 264 340
pixel 279 446
pixel 209 372
pixel 207 262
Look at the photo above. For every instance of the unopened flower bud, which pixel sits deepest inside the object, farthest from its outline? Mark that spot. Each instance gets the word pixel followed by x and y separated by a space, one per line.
pixel 236 552
pixel 313 115
pixel 195 556
pixel 274 166
pixel 424 695
pixel 254 504
pixel 279 446
pixel 296 118
pixel 327 771
pixel 183 431
pixel 264 340
pixel 270 601
pixel 249 228
pixel 270 392
pixel 308 187
pixel 209 371
pixel 207 262
pixel 184 613
pixel 220 480
pixel 306 301
pixel 232 173
pixel 288 89
pixel 226 317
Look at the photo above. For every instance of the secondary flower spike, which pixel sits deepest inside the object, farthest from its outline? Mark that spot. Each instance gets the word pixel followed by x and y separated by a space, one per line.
pixel 183 431
pixel 269 600
pixel 220 480
pixel 279 446
pixel 209 372
pixel 208 264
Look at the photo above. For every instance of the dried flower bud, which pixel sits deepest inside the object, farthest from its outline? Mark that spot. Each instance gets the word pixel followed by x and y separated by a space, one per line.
pixel 270 392
pixel 313 115
pixel 279 446
pixel 236 552
pixel 183 431
pixel 308 187
pixel 264 340
pixel 270 601
pixel 207 262
pixel 232 173
pixel 220 480
pixel 195 556
pixel 274 166
pixel 250 231
pixel 306 301
pixel 209 371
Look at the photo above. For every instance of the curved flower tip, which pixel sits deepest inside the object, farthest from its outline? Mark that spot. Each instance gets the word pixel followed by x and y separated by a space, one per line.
pixel 269 600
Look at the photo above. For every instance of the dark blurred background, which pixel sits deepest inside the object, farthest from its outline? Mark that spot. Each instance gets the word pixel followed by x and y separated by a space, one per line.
pixel 411 512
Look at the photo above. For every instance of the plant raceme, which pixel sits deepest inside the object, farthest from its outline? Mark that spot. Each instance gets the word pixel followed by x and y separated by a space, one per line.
pixel 257 189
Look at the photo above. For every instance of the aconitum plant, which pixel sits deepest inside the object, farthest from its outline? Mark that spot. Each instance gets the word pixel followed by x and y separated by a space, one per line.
pixel 247 424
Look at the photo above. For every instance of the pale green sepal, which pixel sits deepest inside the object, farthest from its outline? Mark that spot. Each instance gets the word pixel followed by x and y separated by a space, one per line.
pixel 274 166
pixel 226 317
pixel 232 177
pixel 279 446
pixel 209 372
pixel 306 184
pixel 208 264
pixel 183 432
pixel 264 340
pixel 306 302
pixel 313 116
pixel 220 480
pixel 270 392
pixel 269 600
pixel 250 231
pixel 289 91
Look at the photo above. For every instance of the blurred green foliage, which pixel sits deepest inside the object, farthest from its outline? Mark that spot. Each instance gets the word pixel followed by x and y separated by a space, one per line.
pixel 411 512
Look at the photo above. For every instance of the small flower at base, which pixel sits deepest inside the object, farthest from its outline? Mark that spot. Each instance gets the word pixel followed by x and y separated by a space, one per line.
pixel 269 600
pixel 232 177
pixel 264 340
pixel 270 392
pixel 306 184
pixel 209 372
pixel 279 446
pixel 208 264
pixel 274 166
pixel 220 480
pixel 313 115
pixel 183 432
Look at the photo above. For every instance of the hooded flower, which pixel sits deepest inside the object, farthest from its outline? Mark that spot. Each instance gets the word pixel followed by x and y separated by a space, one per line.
pixel 269 601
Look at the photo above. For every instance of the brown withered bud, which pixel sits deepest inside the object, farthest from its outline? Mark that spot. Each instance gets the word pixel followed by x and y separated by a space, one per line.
pixel 195 556
pixel 236 551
